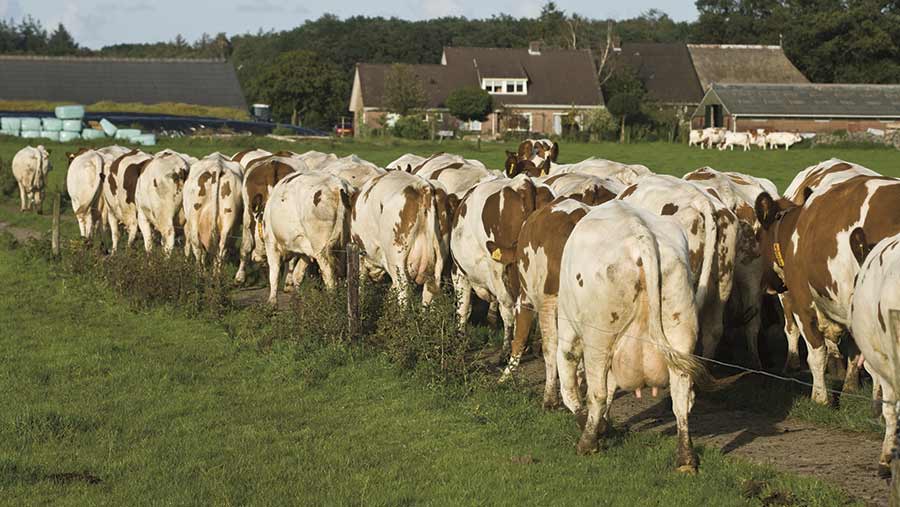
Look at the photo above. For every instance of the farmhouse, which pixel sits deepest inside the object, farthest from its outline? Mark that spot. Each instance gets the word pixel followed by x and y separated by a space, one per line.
pixel 534 89
pixel 85 80
pixel 800 107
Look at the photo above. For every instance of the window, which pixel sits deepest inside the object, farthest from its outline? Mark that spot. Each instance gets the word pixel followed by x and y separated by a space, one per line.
pixel 472 126
pixel 519 122
pixel 505 86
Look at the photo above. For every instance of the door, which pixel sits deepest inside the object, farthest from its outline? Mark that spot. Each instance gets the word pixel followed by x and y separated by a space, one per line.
pixel 558 124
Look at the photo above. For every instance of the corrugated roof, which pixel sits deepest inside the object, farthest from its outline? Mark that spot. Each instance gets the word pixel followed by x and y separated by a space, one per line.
pixel 666 71
pixel 834 100
pixel 733 63
pixel 91 80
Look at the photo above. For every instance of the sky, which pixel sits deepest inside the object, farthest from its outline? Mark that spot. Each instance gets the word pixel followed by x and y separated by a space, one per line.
pixel 96 23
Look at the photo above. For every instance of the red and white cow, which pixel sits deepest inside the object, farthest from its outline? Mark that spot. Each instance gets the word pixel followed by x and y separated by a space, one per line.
pixel 247 157
pixel 457 176
pixel 212 206
pixel 586 188
pixel 119 189
pixel 402 224
pixel 30 166
pixel 713 136
pixel 732 139
pixel 486 228
pixel 695 138
pixel 158 197
pixel 84 184
pixel 538 150
pixel 308 214
pixel 626 174
pixel 627 307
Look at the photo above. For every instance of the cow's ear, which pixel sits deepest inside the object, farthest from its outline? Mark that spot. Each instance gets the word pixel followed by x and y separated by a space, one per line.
pixel 554 152
pixel 766 209
pixel 512 167
pixel 806 193
pixel 409 168
pixel 859 246
pixel 345 199
pixel 545 166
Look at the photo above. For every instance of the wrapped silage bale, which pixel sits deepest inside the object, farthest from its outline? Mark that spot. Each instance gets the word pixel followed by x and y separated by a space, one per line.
pixel 52 135
pixel 31 124
pixel 66 137
pixel 71 125
pixel 51 124
pixel 108 127
pixel 127 134
pixel 145 139
pixel 31 134
pixel 10 124
pixel 91 134
pixel 70 112
pixel 14 133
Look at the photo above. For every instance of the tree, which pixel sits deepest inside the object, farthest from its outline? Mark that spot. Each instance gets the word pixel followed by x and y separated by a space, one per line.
pixel 470 103
pixel 624 93
pixel 624 105
pixel 301 85
pixel 61 42
pixel 403 92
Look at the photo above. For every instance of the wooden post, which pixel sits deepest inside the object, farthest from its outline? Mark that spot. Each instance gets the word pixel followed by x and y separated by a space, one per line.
pixel 54 234
pixel 353 324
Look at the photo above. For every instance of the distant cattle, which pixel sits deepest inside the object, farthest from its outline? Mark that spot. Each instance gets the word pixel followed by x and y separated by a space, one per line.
pixel 695 138
pixel 212 206
pixel 119 189
pixel 713 136
pixel 30 167
pixel 786 139
pixel 158 198
pixel 316 159
pixel 538 150
pixel 732 139
pixel 84 184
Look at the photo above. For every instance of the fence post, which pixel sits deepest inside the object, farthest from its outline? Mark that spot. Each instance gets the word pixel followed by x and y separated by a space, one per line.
pixel 54 234
pixel 353 290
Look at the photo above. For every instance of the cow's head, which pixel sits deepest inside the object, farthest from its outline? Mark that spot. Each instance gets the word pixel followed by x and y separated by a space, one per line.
pixel 509 166
pixel 529 168
pixel 776 220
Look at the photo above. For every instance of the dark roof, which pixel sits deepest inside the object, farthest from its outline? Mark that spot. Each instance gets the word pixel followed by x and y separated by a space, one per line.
pixel 555 76
pixel 92 80
pixel 734 63
pixel 829 100
pixel 666 71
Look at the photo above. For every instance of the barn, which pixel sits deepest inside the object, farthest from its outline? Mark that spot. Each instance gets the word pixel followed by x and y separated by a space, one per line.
pixel 88 80
pixel 798 107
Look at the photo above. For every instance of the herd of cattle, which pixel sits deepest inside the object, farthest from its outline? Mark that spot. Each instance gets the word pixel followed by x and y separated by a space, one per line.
pixel 629 273
pixel 723 138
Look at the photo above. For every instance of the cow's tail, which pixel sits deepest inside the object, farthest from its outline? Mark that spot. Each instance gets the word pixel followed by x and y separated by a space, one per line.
pixel 709 252
pixel 216 231
pixel 37 178
pixel 423 238
pixel 684 362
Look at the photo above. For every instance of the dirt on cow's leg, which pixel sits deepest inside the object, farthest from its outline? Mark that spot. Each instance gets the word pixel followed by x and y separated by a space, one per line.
pixel 851 379
pixel 817 359
pixel 549 346
pixel 598 360
pixel 890 433
pixel 877 397
pixel 524 318
pixel 682 401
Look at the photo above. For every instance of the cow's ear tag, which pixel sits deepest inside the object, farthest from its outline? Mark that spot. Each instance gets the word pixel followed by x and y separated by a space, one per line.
pixel 496 255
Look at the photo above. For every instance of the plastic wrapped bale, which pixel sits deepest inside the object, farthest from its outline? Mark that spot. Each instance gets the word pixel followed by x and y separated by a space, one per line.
pixel 31 124
pixel 145 139
pixel 92 134
pixel 67 137
pixel 70 112
pixel 52 135
pixel 108 127
pixel 51 124
pixel 71 125
pixel 31 134
pixel 4 132
pixel 10 124
pixel 127 134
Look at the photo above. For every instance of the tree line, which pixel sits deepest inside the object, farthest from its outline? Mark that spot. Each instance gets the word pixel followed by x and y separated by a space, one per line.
pixel 828 40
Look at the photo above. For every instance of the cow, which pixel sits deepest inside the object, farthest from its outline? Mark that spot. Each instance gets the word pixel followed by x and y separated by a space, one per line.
pixel 514 166
pixel 627 174
pixel 352 169
pixel 405 162
pixel 212 206
pixel 30 166
pixel 484 236
pixel 119 188
pixel 591 190
pixel 438 160
pixel 739 192
pixel 808 259
pixel 259 179
pixel 876 294
pixel 247 157
pixel 712 232
pixel 84 184
pixel 308 214
pixel 759 138
pixel 401 222
pixel 713 136
pixel 457 177
pixel 628 308
pixel 732 139
pixel 695 138
pixel 538 150
pixel 158 197
pixel 316 159
pixel 786 139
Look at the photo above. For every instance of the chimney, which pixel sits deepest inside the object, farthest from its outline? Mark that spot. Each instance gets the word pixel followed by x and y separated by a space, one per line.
pixel 534 47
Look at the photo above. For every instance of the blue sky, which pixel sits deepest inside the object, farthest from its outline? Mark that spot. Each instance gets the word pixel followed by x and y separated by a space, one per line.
pixel 96 23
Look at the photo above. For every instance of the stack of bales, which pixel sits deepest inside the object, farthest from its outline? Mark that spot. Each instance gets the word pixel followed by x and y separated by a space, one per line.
pixel 68 125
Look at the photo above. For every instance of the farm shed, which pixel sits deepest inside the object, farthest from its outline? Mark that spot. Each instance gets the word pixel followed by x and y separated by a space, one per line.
pixel 807 108
pixel 88 80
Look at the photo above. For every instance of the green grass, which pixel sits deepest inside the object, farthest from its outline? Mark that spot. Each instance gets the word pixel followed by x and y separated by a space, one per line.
pixel 103 405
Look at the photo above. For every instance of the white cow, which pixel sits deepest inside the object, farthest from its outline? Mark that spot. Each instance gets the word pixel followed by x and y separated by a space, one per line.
pixel 316 159
pixel 786 139
pixel 696 138
pixel 732 139
pixel 84 184
pixel 308 214
pixel 30 166
pixel 212 204
pixel 627 306
pixel 713 136
pixel 589 189
pixel 626 174
pixel 119 188
pixel 405 162
pixel 352 169
pixel 459 176
pixel 158 198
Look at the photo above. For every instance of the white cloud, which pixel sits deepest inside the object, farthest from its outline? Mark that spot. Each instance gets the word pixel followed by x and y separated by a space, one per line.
pixel 440 8
pixel 11 9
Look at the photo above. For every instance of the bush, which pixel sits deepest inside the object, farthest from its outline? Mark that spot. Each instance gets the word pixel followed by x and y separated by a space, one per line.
pixel 411 127
pixel 8 185
pixel 283 131
pixel 600 125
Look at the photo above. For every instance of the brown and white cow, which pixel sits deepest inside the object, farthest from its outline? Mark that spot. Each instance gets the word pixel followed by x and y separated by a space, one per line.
pixel 538 150
pixel 351 169
pixel 627 174
pixel 247 157
pixel 30 166
pixel 457 176
pixel 627 307
pixel 158 198
pixel 405 162
pixel 807 256
pixel 732 139
pixel 711 229
pixel 485 234
pixel 316 159
pixel 119 189
pixel 308 214
pixel 212 206
pixel 589 189
pixel 402 224
pixel 84 184
pixel 739 192
pixel 259 180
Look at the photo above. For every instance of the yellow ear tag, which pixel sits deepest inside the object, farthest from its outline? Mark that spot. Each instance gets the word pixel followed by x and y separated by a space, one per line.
pixel 496 254
pixel 778 257
pixel 259 228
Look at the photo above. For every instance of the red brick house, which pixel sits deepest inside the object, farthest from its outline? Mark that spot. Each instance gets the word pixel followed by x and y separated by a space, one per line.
pixel 533 88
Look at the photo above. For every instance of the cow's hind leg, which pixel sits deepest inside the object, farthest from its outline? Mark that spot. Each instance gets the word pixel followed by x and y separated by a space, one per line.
pixel 524 317
pixel 273 258
pixel 507 314
pixel 326 268
pixel 464 296
pixel 113 230
pixel 568 357
pixel 549 345
pixel 597 361
pixel 682 402
pixel 146 231
pixel 23 198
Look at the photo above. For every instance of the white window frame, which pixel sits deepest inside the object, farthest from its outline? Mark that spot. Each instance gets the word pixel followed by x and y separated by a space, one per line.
pixel 472 126
pixel 496 86
pixel 530 123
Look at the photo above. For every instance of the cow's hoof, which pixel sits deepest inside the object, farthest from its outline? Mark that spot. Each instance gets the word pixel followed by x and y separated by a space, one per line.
pixel 551 404
pixel 587 446
pixel 40 212
pixel 876 409
pixel 581 419
pixel 689 469
pixel 884 470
